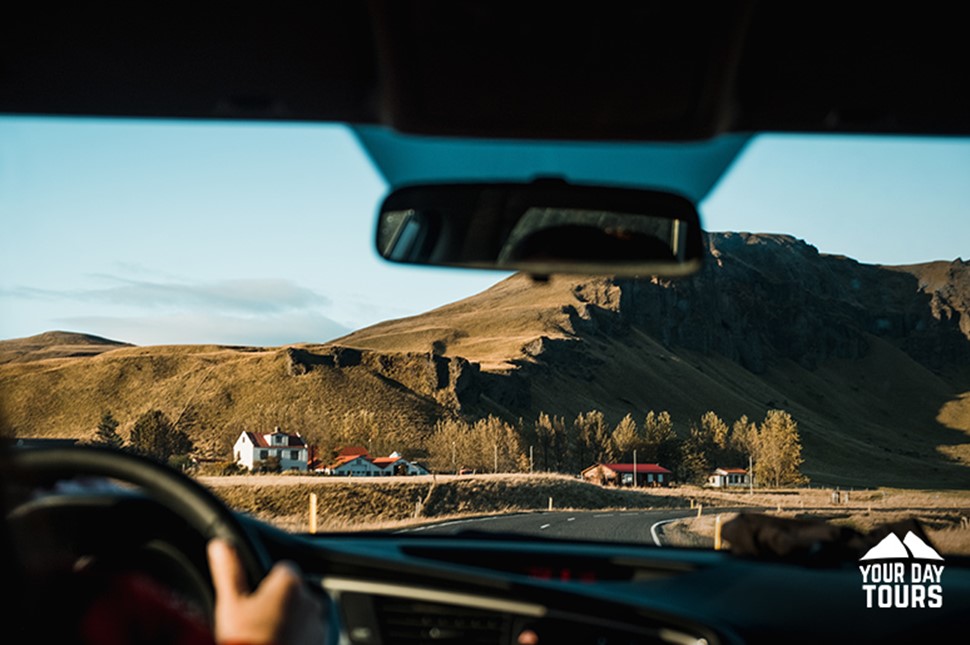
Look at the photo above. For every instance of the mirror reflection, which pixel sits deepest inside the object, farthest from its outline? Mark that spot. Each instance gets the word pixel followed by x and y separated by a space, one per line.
pixel 543 227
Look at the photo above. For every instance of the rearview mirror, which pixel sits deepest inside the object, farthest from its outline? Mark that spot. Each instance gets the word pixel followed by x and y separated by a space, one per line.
pixel 543 227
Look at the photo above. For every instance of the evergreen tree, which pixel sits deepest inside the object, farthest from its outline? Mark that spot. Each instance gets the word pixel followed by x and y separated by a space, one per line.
pixel 696 454
pixel 592 440
pixel 107 432
pixel 660 441
pixel 550 434
pixel 155 436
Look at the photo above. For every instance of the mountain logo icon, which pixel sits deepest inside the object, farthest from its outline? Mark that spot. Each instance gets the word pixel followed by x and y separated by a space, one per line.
pixel 891 547
pixel 902 574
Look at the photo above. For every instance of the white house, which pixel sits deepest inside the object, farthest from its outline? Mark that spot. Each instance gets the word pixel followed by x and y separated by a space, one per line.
pixel 355 462
pixel 251 448
pixel 395 464
pixel 355 466
pixel 729 477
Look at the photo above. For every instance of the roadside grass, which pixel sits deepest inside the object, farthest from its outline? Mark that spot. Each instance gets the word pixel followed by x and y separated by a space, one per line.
pixel 949 532
pixel 383 503
pixel 388 504
pixel 810 498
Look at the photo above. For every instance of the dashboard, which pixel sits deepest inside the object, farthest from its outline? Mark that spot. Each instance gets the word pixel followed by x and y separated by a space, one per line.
pixel 485 588
pixel 384 588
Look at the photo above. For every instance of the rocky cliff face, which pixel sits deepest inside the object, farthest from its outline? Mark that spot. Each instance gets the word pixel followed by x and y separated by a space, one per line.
pixel 763 297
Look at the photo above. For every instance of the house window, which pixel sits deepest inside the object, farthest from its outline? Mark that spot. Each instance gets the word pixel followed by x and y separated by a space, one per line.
pixel 263 454
pixel 294 454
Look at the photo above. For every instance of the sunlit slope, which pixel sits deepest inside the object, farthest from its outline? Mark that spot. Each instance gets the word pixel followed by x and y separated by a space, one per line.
pixel 491 328
pixel 216 392
pixel 55 344
pixel 873 362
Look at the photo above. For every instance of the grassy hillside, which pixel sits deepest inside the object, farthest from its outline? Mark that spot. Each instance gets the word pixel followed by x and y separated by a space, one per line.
pixel 217 391
pixel 490 329
pixel 873 362
pixel 55 344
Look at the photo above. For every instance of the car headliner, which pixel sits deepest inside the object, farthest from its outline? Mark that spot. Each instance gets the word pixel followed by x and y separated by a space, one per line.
pixel 657 71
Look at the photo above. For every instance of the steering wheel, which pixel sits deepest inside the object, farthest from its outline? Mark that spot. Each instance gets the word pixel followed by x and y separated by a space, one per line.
pixel 202 510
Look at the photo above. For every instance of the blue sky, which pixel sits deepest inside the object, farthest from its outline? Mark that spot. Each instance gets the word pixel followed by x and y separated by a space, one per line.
pixel 262 234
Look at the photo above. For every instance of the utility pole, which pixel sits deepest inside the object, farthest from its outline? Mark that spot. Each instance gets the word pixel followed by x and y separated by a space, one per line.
pixel 496 458
pixel 750 476
pixel 530 460
pixel 634 467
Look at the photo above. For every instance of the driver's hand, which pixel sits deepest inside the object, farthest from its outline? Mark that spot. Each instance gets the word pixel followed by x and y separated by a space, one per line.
pixel 281 610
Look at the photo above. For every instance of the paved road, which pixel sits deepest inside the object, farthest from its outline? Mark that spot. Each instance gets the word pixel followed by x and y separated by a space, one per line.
pixel 616 526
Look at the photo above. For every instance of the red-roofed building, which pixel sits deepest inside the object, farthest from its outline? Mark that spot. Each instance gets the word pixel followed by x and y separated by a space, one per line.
pixel 623 474
pixel 728 477
pixel 355 462
pixel 252 448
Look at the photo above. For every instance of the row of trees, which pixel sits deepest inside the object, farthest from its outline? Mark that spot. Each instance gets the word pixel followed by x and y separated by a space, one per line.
pixel 550 443
pixel 557 445
pixel 153 434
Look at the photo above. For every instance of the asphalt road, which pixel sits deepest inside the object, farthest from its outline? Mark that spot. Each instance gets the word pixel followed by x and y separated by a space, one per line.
pixel 615 526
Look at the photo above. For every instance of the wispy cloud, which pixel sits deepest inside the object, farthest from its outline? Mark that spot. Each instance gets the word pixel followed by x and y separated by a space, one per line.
pixel 246 296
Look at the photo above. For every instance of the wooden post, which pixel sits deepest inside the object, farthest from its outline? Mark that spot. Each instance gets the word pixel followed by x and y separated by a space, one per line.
pixel 550 503
pixel 313 512
pixel 700 509
pixel 717 532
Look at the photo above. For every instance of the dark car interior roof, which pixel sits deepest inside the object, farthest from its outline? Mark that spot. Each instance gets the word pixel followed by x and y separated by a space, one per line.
pixel 504 69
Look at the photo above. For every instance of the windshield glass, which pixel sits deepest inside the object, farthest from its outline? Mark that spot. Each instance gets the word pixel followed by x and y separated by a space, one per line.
pixel 219 284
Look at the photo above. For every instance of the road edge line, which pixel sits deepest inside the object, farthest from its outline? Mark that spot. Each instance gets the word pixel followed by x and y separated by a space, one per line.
pixel 653 529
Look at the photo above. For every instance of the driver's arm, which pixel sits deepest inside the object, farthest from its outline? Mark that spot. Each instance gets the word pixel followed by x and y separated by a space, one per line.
pixel 281 610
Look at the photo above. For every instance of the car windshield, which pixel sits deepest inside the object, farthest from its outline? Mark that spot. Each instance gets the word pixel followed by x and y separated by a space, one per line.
pixel 210 294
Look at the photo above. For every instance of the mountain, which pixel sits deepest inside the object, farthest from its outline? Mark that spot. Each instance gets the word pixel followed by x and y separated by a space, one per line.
pixel 872 361
pixel 55 344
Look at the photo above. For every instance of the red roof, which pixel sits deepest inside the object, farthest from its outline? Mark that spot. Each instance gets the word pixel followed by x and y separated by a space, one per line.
pixel 641 469
pixel 355 451
pixel 257 439
pixel 384 461
pixel 345 459
pixel 734 471
pixel 292 440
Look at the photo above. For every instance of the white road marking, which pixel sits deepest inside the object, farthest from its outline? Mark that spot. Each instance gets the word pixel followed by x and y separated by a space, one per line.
pixel 653 529
pixel 571 519
pixel 544 526
pixel 451 523
pixel 604 515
